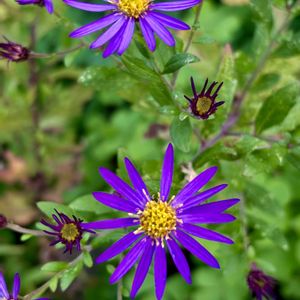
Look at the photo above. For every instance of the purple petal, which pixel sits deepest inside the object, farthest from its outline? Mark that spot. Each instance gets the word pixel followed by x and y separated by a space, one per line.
pixel 213 207
pixel 137 180
pixel 194 186
pixel 115 202
pixel 49 6
pixel 148 34
pixel 109 33
pixel 193 201
pixel 196 249
pixel 170 21
pixel 127 36
pixel 128 261
pixel 179 260
pixel 121 187
pixel 118 247
pixel 111 224
pixel 205 233
pixel 16 286
pixel 175 5
pixel 3 287
pixel 89 6
pixel 113 44
pixel 207 218
pixel 167 173
pixel 95 26
pixel 142 269
pixel 160 271
pixel 160 30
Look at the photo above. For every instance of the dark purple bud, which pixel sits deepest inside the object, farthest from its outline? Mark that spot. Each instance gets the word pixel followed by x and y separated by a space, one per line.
pixel 261 285
pixel 13 52
pixel 3 221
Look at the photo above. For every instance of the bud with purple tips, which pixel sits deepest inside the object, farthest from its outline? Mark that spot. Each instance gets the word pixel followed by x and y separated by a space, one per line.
pixel 13 52
pixel 43 3
pixel 204 104
pixel 3 221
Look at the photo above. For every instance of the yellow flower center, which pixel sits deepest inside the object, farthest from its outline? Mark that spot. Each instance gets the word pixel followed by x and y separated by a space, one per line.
pixel 158 219
pixel 133 8
pixel 203 105
pixel 69 232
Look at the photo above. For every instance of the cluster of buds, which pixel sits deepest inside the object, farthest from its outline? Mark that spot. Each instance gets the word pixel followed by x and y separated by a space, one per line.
pixel 14 52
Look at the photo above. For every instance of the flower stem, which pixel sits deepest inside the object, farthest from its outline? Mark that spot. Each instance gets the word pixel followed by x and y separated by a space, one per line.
pixel 119 291
pixel 20 229
pixel 56 54
pixel 190 39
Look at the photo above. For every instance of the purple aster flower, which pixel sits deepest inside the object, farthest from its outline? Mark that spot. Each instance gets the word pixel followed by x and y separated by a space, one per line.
pixel 13 52
pixel 124 14
pixel 204 104
pixel 67 231
pixel 260 284
pixel 43 3
pixel 161 222
pixel 5 295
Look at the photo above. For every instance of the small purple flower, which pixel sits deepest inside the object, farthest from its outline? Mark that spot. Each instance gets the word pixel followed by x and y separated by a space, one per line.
pixel 3 221
pixel 122 19
pixel 43 3
pixel 67 231
pixel 5 295
pixel 260 284
pixel 161 222
pixel 13 52
pixel 204 104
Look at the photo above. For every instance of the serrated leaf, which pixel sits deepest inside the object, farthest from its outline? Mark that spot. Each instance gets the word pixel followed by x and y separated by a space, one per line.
pixel 181 133
pixel 54 266
pixel 178 61
pixel 276 107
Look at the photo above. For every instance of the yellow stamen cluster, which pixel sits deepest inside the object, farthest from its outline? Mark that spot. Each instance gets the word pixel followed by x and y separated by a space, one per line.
pixel 158 219
pixel 133 8
pixel 69 232
pixel 203 105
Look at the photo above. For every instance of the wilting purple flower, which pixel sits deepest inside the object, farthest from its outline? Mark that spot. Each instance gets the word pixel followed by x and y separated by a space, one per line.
pixel 124 14
pixel 13 52
pixel 5 295
pixel 46 3
pixel 204 104
pixel 260 284
pixel 162 222
pixel 3 221
pixel 67 231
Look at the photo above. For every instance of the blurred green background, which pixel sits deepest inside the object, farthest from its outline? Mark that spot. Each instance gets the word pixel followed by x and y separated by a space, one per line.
pixel 63 117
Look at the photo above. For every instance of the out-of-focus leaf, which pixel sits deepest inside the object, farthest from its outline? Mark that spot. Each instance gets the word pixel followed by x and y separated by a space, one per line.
pixel 90 204
pixel 53 284
pixel 181 132
pixel 178 61
pixel 87 259
pixel 293 157
pixel 55 266
pixel 48 208
pixel 275 108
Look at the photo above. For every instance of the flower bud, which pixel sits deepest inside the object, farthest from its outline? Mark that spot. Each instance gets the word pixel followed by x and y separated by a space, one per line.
pixel 13 52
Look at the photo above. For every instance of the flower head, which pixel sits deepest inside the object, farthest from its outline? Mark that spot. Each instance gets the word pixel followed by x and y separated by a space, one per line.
pixel 13 52
pixel 161 221
pixel 204 104
pixel 67 231
pixel 123 17
pixel 260 284
pixel 5 295
pixel 43 3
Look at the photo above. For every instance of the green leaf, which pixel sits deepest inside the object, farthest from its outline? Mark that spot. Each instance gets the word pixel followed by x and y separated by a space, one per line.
pixel 181 133
pixel 276 107
pixel 55 266
pixel 89 204
pixel 178 61
pixel 152 80
pixel 87 259
pixel 48 208
pixel 70 275
pixel 53 284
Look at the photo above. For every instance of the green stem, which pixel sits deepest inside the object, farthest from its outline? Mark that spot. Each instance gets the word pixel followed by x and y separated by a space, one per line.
pixel 190 39
pixel 18 228
pixel 56 54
